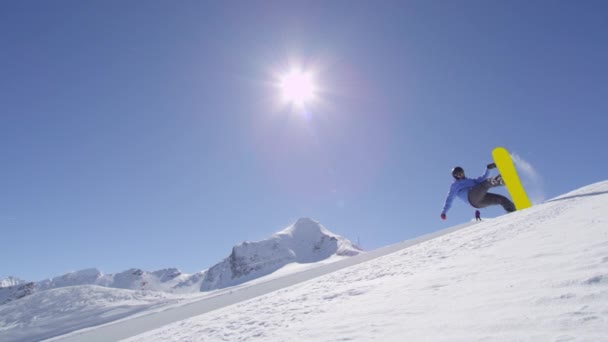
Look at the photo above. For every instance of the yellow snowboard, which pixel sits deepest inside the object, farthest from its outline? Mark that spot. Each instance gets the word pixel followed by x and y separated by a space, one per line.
pixel 505 166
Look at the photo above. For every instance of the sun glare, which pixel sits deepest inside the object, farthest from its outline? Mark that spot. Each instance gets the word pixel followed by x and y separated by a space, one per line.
pixel 297 87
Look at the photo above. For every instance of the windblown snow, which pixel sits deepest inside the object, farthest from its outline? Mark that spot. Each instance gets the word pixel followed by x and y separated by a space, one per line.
pixel 537 274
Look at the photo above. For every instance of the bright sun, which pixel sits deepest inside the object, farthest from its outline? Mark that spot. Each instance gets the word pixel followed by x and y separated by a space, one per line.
pixel 297 87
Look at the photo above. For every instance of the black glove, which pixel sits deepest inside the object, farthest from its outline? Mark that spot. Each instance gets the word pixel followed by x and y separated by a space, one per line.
pixel 491 166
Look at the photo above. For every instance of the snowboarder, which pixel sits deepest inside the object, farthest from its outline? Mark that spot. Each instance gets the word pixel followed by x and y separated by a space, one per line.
pixel 475 191
pixel 477 215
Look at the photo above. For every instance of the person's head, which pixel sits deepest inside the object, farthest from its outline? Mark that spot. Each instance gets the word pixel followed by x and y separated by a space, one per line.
pixel 458 172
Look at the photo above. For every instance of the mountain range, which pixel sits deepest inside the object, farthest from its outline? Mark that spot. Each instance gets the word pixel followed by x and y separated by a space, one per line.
pixel 306 241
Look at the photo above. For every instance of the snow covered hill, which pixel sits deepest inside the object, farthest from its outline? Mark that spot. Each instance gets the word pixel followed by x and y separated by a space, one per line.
pixel 133 279
pixel 60 310
pixel 536 275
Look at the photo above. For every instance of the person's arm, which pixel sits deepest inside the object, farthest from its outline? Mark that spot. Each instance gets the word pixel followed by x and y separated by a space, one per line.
pixel 448 203
pixel 485 174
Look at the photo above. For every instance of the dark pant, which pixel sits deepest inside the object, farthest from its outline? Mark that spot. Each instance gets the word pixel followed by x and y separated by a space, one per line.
pixel 479 197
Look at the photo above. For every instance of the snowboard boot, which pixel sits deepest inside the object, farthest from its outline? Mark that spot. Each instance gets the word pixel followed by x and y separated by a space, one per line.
pixel 496 181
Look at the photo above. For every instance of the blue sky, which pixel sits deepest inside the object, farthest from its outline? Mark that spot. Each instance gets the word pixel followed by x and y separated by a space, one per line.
pixel 149 133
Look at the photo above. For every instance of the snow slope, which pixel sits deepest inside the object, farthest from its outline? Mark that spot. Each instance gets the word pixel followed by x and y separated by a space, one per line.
pixel 536 275
pixel 59 311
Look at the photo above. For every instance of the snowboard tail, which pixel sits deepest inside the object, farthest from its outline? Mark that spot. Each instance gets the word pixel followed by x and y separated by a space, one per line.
pixel 505 166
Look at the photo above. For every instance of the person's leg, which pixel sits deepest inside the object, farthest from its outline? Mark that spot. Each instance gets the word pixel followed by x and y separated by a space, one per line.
pixel 495 199
pixel 478 192
pixel 480 198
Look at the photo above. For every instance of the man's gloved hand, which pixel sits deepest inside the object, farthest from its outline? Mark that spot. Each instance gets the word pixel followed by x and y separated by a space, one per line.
pixel 443 217
pixel 491 166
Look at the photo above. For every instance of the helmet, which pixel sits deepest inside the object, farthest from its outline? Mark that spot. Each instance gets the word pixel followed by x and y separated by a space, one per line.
pixel 457 170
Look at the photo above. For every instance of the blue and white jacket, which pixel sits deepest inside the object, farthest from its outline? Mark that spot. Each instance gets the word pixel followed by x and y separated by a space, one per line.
pixel 460 188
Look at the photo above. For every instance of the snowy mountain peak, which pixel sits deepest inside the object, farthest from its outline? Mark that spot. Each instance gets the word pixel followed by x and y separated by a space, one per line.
pixel 10 281
pixel 311 242
pixel 306 241
pixel 305 229
pixel 86 276
pixel 167 274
